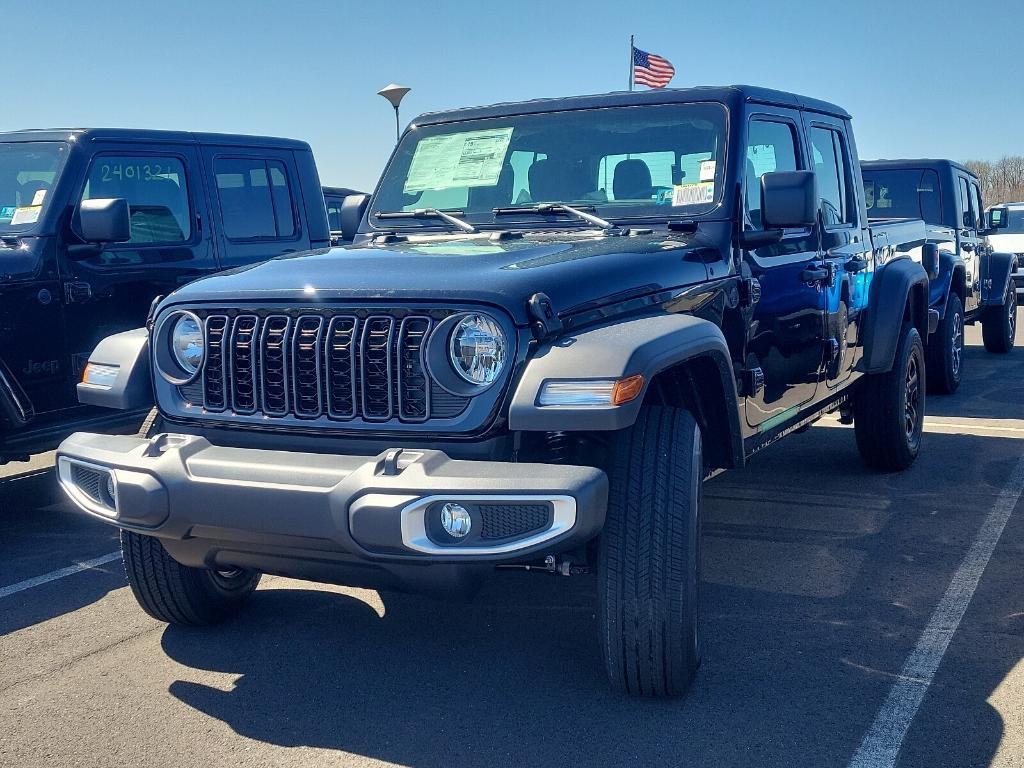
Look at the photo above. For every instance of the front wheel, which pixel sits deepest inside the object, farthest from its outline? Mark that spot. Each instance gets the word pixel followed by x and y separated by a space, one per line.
pixel 946 348
pixel 999 324
pixel 649 563
pixel 175 593
pixel 888 410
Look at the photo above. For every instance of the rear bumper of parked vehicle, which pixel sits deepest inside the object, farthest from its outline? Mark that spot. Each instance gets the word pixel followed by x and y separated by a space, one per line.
pixel 360 520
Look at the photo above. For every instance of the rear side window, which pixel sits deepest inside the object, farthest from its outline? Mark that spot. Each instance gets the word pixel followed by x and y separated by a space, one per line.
pixel 903 193
pixel 155 189
pixel 833 173
pixel 255 198
pixel 771 146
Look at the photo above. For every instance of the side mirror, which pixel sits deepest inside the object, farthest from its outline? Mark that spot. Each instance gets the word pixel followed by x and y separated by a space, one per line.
pixel 789 200
pixel 998 218
pixel 930 259
pixel 105 220
pixel 353 208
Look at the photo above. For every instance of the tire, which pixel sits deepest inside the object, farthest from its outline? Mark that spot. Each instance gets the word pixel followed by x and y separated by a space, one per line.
pixel 999 324
pixel 649 561
pixel 944 356
pixel 888 410
pixel 177 594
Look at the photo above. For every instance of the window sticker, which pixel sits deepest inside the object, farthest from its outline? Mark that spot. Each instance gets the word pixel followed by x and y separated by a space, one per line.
pixel 693 194
pixel 39 197
pixel 471 159
pixel 26 215
pixel 707 170
pixel 6 212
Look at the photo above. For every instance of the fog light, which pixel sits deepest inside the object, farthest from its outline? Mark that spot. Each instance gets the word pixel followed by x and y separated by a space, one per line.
pixel 111 490
pixel 456 520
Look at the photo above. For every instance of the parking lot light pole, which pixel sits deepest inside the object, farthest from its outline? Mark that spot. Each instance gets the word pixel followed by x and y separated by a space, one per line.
pixel 395 93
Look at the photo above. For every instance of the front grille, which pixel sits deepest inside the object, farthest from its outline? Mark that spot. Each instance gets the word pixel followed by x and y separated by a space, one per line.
pixel 362 365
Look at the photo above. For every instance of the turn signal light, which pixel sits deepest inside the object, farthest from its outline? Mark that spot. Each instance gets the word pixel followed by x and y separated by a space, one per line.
pixel 627 389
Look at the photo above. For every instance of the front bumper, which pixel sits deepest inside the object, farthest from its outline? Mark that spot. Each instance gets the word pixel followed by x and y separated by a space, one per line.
pixel 348 519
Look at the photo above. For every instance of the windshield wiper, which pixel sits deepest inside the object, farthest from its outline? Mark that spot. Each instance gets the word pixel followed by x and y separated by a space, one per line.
pixel 429 213
pixel 547 209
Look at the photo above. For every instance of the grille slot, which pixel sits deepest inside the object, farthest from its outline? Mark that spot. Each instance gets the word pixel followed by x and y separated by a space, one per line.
pixel 274 364
pixel 361 365
pixel 375 371
pixel 413 384
pixel 213 366
pixel 341 367
pixel 88 480
pixel 306 366
pixel 243 363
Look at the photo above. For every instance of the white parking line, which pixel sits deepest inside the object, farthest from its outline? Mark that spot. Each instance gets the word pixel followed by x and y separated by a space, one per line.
pixel 882 743
pixel 54 575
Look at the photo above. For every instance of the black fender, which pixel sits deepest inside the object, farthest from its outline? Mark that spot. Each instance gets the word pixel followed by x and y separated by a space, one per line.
pixel 15 408
pixel 952 279
pixel 892 287
pixel 998 273
pixel 131 387
pixel 649 346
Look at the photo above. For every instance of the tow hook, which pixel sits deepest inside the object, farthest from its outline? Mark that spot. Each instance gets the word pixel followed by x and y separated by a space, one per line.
pixel 551 565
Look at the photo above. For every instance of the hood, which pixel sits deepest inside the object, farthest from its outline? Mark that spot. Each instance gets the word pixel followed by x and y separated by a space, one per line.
pixel 1010 242
pixel 573 269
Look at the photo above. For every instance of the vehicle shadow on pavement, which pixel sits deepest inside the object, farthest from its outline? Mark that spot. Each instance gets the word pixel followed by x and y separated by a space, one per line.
pixel 992 386
pixel 819 577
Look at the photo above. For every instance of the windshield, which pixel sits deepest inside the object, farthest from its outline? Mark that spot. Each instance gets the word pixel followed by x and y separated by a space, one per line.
pixel 622 162
pixel 28 171
pixel 910 193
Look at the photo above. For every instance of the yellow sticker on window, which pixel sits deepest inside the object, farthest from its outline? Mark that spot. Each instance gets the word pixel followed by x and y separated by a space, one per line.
pixel 28 214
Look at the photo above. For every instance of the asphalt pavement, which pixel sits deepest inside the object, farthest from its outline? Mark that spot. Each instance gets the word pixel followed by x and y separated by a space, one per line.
pixel 849 618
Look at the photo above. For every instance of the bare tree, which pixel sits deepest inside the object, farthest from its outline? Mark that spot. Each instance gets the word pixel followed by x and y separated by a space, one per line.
pixel 1001 181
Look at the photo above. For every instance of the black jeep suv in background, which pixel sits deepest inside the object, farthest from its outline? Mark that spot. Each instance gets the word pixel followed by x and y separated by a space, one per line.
pixel 95 224
pixel 557 319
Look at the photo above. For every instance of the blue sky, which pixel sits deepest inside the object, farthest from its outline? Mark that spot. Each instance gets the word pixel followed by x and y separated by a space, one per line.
pixel 920 78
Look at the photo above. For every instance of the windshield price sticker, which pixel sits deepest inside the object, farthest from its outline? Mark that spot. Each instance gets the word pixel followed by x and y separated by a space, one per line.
pixel 693 194
pixel 470 159
pixel 26 215
pixel 39 197
pixel 707 170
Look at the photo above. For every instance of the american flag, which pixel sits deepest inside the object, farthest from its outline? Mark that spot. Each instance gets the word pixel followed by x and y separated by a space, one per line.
pixel 650 69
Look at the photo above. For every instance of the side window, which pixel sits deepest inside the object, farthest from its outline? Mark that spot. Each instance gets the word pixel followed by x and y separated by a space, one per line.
pixel 965 204
pixel 334 215
pixel 771 146
pixel 255 198
pixel 155 189
pixel 975 206
pixel 832 170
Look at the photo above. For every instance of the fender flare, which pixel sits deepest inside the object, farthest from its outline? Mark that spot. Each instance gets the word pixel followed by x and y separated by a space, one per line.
pixel 132 387
pixel 1000 273
pixel 950 264
pixel 891 288
pixel 645 345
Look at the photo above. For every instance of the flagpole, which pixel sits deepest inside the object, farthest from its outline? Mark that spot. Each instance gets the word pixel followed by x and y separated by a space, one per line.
pixel 631 62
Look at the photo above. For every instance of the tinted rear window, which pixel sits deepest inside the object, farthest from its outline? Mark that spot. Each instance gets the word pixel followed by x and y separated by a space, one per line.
pixel 255 198
pixel 906 193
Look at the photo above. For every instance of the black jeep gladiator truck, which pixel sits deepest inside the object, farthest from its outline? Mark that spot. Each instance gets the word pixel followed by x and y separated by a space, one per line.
pixel 94 224
pixel 558 318
pixel 969 282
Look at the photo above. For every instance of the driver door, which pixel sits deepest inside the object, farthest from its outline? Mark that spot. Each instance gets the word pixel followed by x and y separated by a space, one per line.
pixel 111 291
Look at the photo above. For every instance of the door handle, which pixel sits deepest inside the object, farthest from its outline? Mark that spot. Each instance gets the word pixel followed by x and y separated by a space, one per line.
pixel 814 275
pixel 856 264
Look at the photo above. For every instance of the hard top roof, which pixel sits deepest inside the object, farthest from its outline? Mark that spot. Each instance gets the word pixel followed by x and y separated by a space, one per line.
pixel 148 134
pixel 923 162
pixel 729 94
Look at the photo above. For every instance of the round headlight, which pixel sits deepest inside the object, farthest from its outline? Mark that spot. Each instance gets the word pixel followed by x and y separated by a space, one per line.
pixel 478 349
pixel 187 344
